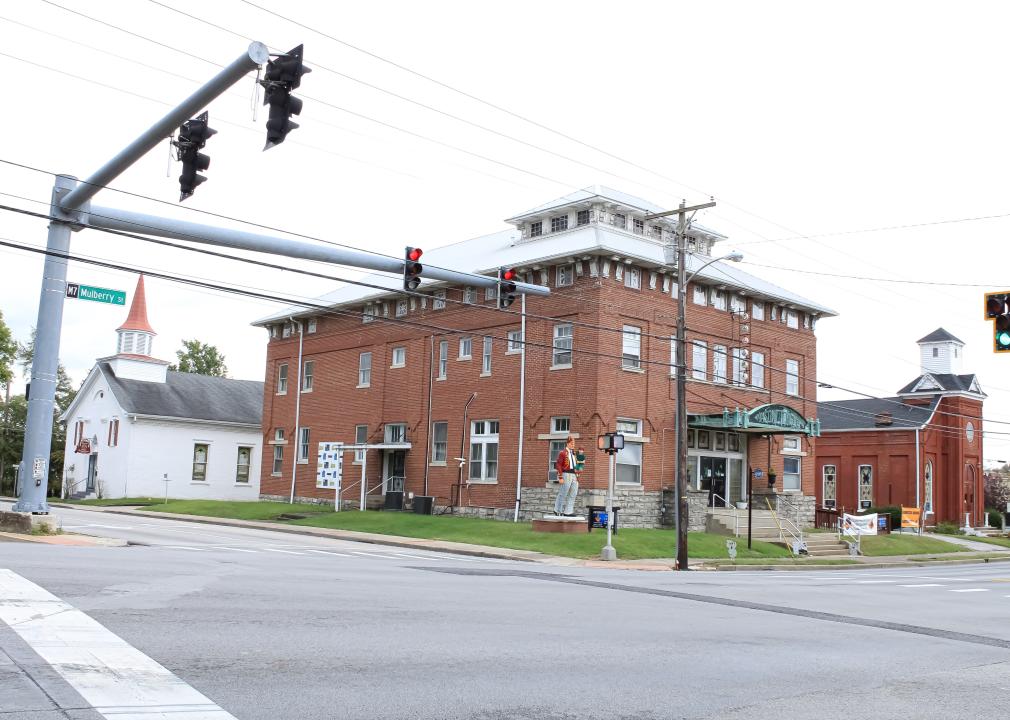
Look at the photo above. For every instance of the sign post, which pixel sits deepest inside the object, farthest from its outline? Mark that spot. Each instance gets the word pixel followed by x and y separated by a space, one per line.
pixel 165 476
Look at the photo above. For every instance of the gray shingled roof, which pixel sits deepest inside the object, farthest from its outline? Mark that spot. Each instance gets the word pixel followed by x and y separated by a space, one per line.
pixel 862 413
pixel 949 383
pixel 188 395
pixel 939 335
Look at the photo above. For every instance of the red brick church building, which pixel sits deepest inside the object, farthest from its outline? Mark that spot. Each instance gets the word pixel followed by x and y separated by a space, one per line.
pixel 446 397
pixel 921 448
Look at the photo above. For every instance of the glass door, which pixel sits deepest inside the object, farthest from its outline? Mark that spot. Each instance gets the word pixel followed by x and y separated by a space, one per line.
pixel 713 479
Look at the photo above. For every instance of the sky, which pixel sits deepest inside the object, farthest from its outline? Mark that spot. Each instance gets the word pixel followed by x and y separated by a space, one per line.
pixel 856 151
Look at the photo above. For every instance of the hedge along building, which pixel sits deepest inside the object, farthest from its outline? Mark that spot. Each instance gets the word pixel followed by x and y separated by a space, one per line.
pixel 921 448
pixel 444 374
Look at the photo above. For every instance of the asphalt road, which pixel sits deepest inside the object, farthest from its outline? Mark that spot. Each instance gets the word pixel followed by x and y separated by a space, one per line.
pixel 273 625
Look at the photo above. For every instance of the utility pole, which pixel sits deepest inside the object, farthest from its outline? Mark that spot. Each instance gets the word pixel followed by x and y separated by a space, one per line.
pixel 680 482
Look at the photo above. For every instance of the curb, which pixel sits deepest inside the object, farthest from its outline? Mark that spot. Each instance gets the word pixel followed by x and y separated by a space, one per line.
pixel 859 566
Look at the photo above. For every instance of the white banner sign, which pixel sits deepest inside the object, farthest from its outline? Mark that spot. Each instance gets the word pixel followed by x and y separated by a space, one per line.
pixel 330 465
pixel 859 524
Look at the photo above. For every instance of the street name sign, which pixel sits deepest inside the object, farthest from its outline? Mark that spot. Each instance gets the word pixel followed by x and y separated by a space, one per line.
pixel 96 294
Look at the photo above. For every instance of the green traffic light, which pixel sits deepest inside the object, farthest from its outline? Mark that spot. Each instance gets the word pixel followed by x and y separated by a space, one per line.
pixel 1003 339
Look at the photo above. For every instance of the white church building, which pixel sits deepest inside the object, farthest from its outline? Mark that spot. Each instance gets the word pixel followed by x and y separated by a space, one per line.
pixel 135 426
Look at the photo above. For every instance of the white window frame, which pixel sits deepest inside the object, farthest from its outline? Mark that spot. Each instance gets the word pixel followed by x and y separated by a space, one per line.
pixel 718 299
pixel 278 464
pixel 757 373
pixel 579 215
pixel 368 313
pixel 515 342
pixel 833 473
pixel 700 295
pixel 792 377
pixel 488 347
pixel 561 425
pixel 401 307
pixel 739 369
pixel 202 465
pixel 786 462
pixel 360 438
pixel 560 430
pixel 559 223
pixel 631 347
pixel 928 481
pixel 308 374
pixel 247 465
pixel 439 448
pixel 638 226
pixel 792 319
pixel 443 359
pixel 310 325
pixel 860 486
pixel 719 363
pixel 673 356
pixel 470 295
pixel 491 292
pixel 286 330
pixel 438 300
pixel 564 275
pixel 399 357
pixel 633 445
pixel 365 370
pixel 620 220
pixel 395 432
pixel 465 348
pixel 737 304
pixel 699 360
pixel 282 379
pixel 537 228
pixel 757 309
pixel 483 435
pixel 563 345
pixel 633 278
pixel 304 439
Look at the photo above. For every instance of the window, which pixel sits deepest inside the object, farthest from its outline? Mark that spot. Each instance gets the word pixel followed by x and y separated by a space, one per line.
pixel 719 299
pixel 484 451
pixel 806 326
pixel 700 295
pixel 395 432
pixel 739 367
pixel 278 451
pixel 582 217
pixel 657 232
pixel 757 310
pixel 242 464
pixel 620 221
pixel 369 313
pixel 399 357
pixel 633 278
pixel 286 331
pixel 559 223
pixel 360 438
pixel 719 363
pixel 469 294
pixel 559 427
pixel 439 441
pixel 465 348
pixel 791 473
pixel 927 505
pixel 303 445
pixel 401 307
pixel 308 370
pixel 565 275
pixel 792 377
pixel 791 443
pixel 282 379
pixel 699 360
pixel 865 477
pixel 536 229
pixel 438 300
pixel 792 320
pixel 113 432
pixel 757 372
pixel 443 358
pixel 936 352
pixel 365 369
pixel 311 323
pixel 638 226
pixel 775 311
pixel 629 460
pixel 631 347
pixel 515 342
pixel 491 292
pixel 829 486
pixel 200 462
pixel 562 356
pixel 274 332
pixel 673 355
pixel 485 368
pixel 737 304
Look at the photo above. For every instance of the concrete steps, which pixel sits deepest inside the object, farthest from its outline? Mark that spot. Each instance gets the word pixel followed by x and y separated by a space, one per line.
pixel 825 545
pixel 722 521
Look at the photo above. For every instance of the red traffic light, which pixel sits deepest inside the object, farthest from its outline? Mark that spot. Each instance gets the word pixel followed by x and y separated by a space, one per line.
pixel 415 254
pixel 509 275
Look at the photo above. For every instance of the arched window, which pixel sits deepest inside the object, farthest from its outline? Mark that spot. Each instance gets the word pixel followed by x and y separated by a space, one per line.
pixel 927 501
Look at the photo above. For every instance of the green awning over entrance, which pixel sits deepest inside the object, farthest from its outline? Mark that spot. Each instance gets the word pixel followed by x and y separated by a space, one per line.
pixel 765 419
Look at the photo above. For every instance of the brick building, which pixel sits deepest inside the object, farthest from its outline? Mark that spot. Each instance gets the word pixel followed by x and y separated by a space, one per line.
pixel 922 448
pixel 428 379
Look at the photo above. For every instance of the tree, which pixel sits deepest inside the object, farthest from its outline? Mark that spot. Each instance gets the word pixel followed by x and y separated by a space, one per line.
pixel 8 353
pixel 195 357
pixel 997 492
pixel 12 439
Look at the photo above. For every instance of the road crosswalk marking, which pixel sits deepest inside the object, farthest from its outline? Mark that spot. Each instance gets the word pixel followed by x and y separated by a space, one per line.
pixel 113 677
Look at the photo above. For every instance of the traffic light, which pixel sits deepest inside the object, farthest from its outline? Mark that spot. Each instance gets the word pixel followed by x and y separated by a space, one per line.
pixel 997 309
pixel 412 268
pixel 283 74
pixel 506 287
pixel 192 137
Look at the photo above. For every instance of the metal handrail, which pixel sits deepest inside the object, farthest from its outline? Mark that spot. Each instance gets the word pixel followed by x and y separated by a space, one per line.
pixel 795 532
pixel 736 514
pixel 858 544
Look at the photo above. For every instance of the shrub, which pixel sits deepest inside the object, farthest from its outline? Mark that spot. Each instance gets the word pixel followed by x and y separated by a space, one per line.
pixel 893 510
pixel 995 517
pixel 948 528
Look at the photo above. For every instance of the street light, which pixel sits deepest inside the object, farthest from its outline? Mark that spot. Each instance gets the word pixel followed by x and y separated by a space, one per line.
pixel 610 443
pixel 681 421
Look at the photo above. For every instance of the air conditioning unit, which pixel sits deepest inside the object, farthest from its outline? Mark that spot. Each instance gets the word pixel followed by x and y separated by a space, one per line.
pixel 424 504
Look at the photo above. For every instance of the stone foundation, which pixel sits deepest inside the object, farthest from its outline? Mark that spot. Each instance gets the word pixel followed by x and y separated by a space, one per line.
pixel 639 509
pixel 793 506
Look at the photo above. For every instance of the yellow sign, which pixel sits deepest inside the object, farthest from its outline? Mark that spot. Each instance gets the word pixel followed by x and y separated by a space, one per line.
pixel 910 517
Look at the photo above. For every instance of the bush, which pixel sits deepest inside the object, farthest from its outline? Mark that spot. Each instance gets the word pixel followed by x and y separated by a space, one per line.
pixel 948 528
pixel 893 510
pixel 995 517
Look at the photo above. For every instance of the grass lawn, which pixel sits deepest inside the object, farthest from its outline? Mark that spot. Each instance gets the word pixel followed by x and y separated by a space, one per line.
pixel 900 544
pixel 242 509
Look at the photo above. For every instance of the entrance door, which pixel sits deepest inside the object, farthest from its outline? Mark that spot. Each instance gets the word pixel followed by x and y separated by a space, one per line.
pixel 968 510
pixel 92 472
pixel 713 479
pixel 395 470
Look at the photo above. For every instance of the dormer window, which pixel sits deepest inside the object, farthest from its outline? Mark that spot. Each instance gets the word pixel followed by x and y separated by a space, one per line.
pixel 621 221
pixel 536 229
pixel 559 223
pixel 657 231
pixel 639 226
pixel 582 217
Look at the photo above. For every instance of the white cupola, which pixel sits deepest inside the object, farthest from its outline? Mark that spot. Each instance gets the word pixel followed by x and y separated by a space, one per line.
pixel 940 353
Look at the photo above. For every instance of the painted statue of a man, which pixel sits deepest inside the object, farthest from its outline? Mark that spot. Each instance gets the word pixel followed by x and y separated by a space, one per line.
pixel 569 469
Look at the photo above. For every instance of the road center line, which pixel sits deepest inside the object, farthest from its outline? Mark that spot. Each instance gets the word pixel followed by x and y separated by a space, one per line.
pixel 115 678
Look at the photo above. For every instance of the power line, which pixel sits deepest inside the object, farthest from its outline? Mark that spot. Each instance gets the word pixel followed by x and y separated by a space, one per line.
pixel 872 279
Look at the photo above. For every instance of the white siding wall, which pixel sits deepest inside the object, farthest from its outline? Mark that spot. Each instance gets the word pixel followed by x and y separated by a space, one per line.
pixel 133 369
pixel 944 362
pixel 167 447
pixel 97 412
